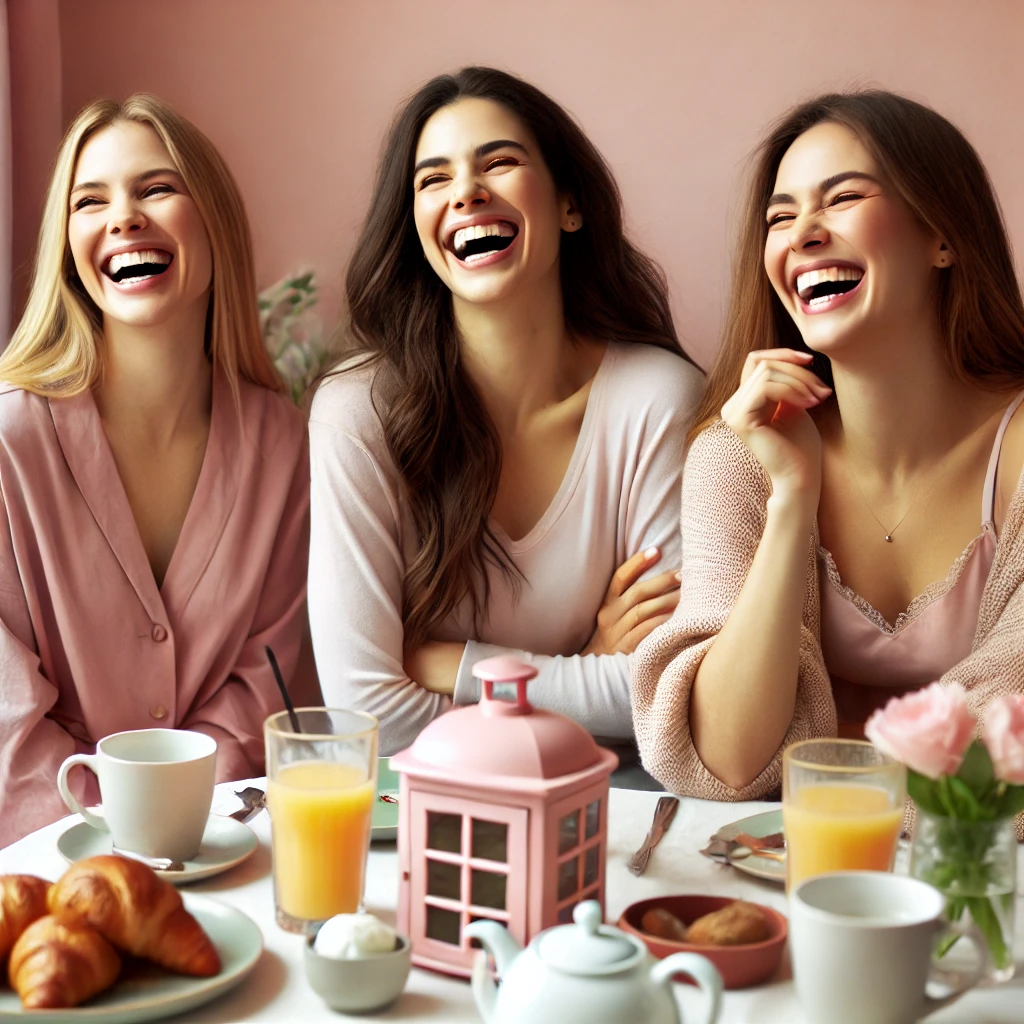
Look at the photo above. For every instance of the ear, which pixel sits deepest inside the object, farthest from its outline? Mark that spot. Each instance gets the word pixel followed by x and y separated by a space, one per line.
pixel 944 257
pixel 571 218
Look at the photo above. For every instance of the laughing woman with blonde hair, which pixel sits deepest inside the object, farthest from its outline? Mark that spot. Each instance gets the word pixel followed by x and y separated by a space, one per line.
pixel 154 480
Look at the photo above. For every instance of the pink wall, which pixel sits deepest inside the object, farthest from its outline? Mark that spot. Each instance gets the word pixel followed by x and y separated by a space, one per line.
pixel 297 94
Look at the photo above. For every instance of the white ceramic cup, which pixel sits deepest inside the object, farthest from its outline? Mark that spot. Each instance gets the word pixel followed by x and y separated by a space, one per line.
pixel 156 787
pixel 861 946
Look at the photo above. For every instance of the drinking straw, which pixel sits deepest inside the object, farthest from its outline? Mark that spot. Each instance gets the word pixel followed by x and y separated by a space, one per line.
pixel 292 717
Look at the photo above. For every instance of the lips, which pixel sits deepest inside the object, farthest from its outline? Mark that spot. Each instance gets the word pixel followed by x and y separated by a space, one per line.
pixel 138 264
pixel 479 241
pixel 826 284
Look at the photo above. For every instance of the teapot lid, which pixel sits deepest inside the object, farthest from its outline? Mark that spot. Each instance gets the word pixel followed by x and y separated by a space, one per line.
pixel 587 947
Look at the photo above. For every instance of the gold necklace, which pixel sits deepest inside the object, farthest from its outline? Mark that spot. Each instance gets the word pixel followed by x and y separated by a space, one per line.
pixel 888 533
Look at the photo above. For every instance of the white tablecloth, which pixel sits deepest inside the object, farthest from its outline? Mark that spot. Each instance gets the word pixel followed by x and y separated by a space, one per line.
pixel 277 989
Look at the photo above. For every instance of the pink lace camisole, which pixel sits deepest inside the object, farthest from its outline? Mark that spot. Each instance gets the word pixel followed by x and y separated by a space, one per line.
pixel 870 660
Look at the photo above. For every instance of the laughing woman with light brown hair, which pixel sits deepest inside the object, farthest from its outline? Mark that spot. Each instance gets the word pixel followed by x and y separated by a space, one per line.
pixel 155 483
pixel 853 516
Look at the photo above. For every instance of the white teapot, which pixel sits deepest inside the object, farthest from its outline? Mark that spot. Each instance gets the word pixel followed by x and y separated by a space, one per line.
pixel 583 971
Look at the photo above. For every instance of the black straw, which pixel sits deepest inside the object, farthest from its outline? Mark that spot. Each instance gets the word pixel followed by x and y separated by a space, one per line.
pixel 294 718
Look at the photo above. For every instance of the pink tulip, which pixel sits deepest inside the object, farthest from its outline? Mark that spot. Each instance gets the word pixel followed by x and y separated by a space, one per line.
pixel 928 730
pixel 1003 732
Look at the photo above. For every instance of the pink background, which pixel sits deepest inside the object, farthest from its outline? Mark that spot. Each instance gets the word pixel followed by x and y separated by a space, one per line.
pixel 297 95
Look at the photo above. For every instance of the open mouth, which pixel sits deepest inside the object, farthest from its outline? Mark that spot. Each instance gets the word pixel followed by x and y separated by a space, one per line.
pixel 818 287
pixel 137 266
pixel 482 240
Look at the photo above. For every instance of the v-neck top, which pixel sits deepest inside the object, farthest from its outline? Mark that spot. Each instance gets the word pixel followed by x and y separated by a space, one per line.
pixel 869 659
pixel 89 645
pixel 619 495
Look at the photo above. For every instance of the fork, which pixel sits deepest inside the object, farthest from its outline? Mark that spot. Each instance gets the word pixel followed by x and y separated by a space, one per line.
pixel 663 815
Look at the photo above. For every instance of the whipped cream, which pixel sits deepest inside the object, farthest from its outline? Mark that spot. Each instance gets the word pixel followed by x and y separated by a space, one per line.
pixel 353 936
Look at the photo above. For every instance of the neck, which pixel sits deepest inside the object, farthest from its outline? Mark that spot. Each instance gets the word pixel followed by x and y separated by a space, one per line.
pixel 157 381
pixel 519 354
pixel 900 406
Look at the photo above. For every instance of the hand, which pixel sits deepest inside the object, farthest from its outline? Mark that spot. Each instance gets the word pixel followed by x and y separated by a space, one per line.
pixel 631 610
pixel 435 665
pixel 769 413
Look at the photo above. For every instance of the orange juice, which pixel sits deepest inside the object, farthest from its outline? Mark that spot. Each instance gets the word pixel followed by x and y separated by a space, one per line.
pixel 320 822
pixel 839 827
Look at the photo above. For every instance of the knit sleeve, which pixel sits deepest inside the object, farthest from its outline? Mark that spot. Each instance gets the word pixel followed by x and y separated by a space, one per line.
pixel 724 509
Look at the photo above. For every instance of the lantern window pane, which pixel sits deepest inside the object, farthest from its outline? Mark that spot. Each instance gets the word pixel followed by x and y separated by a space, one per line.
pixel 593 818
pixel 490 841
pixel 592 864
pixel 444 880
pixel 568 878
pixel 565 914
pixel 444 925
pixel 488 889
pixel 569 832
pixel 444 832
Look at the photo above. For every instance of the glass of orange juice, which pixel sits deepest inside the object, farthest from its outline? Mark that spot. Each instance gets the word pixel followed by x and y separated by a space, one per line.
pixel 321 784
pixel 842 807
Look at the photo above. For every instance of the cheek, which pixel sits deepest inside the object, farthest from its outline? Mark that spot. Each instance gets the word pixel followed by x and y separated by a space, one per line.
pixel 775 253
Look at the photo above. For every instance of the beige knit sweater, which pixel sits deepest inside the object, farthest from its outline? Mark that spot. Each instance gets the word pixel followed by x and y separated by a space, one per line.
pixel 724 508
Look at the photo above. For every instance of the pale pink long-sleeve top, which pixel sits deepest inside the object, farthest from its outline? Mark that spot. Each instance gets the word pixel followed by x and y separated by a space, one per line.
pixel 620 495
pixel 89 645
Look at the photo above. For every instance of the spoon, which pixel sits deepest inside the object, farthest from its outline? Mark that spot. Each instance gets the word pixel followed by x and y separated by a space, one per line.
pixel 663 815
pixel 156 863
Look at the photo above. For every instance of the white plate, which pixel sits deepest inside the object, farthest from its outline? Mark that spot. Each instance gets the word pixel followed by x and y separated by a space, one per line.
pixel 764 824
pixel 226 842
pixel 154 993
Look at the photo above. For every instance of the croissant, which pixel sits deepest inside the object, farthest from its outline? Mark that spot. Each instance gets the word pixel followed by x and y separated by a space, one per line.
pixel 136 911
pixel 59 962
pixel 22 901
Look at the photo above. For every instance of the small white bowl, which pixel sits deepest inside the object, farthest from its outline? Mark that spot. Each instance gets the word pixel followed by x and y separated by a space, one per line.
pixel 361 985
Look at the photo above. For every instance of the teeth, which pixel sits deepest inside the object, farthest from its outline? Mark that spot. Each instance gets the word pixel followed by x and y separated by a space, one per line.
pixel 129 259
pixel 464 235
pixel 805 282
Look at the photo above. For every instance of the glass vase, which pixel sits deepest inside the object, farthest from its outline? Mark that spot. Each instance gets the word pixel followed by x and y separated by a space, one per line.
pixel 974 865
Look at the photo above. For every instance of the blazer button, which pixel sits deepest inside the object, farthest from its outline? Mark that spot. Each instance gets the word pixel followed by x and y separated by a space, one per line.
pixel 158 712
pixel 158 633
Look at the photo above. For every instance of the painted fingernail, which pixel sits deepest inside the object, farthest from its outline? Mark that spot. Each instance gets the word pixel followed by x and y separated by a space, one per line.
pixel 651 553
pixel 679 575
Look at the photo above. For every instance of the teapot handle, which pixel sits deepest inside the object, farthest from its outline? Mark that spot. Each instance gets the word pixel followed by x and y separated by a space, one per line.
pixel 700 969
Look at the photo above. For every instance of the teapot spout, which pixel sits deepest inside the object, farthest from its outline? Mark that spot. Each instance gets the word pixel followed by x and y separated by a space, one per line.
pixel 497 941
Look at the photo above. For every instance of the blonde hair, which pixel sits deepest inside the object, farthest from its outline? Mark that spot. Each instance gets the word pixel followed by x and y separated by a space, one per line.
pixel 54 349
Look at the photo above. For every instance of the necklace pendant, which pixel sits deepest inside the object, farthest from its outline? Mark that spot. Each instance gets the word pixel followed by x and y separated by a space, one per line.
pixel 888 538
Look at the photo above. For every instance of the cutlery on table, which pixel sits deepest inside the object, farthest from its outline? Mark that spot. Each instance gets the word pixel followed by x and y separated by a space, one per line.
pixel 663 815
pixel 254 799
pixel 156 863
pixel 772 847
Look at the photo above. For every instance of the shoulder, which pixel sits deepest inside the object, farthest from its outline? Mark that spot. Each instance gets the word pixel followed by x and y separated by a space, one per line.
pixel 23 413
pixel 652 378
pixel 344 401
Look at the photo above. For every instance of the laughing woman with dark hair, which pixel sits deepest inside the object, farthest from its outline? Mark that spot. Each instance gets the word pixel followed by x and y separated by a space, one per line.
pixel 512 431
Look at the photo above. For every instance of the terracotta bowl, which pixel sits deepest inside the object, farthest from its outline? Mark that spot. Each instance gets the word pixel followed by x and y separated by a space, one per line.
pixel 739 966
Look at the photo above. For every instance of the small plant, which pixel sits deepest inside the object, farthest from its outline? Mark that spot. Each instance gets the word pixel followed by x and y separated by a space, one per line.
pixel 293 331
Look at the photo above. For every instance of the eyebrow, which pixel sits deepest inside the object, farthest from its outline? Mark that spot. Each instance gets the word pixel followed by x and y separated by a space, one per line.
pixel 481 151
pixel 828 183
pixel 160 172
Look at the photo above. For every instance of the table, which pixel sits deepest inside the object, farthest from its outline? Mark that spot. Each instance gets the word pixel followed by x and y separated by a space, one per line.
pixel 277 989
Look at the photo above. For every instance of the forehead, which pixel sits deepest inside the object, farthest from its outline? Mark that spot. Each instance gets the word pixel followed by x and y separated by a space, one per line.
pixel 822 151
pixel 466 124
pixel 123 149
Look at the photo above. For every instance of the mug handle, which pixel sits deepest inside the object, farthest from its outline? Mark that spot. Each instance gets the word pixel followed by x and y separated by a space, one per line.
pixel 698 967
pixel 86 760
pixel 969 932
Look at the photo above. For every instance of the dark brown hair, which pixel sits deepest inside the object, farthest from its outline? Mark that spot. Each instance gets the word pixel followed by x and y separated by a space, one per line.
pixel 937 173
pixel 436 428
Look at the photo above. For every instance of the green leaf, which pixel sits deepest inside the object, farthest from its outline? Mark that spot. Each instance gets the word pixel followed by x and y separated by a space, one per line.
pixel 922 791
pixel 966 803
pixel 976 769
pixel 1012 802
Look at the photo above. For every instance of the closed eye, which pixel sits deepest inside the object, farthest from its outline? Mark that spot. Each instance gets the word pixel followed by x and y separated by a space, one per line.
pixel 80 204
pixel 779 218
pixel 845 197
pixel 502 161
pixel 161 189
pixel 428 180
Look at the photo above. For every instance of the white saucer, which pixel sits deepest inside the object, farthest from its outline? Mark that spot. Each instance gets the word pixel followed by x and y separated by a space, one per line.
pixel 226 842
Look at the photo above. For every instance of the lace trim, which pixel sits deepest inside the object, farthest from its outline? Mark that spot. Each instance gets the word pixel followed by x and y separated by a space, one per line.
pixel 931 593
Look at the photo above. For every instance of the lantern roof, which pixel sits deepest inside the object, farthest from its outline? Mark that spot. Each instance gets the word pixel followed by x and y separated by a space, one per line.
pixel 502 739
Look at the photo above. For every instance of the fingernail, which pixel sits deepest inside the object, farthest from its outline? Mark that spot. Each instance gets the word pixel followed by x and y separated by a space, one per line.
pixel 651 553
pixel 679 575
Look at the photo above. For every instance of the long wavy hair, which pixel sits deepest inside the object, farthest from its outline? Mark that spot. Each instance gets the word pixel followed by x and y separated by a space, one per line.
pixel 931 166
pixel 55 349
pixel 438 432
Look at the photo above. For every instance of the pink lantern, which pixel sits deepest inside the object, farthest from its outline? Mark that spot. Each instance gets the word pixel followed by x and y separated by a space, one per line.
pixel 503 816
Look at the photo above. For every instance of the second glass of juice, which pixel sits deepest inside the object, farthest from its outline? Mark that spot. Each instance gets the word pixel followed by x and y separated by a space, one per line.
pixel 842 807
pixel 321 784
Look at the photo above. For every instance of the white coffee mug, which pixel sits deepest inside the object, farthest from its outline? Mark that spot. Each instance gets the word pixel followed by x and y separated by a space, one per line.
pixel 156 787
pixel 861 945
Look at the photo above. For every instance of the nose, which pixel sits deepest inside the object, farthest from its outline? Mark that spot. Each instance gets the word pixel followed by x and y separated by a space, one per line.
pixel 807 232
pixel 125 215
pixel 469 191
